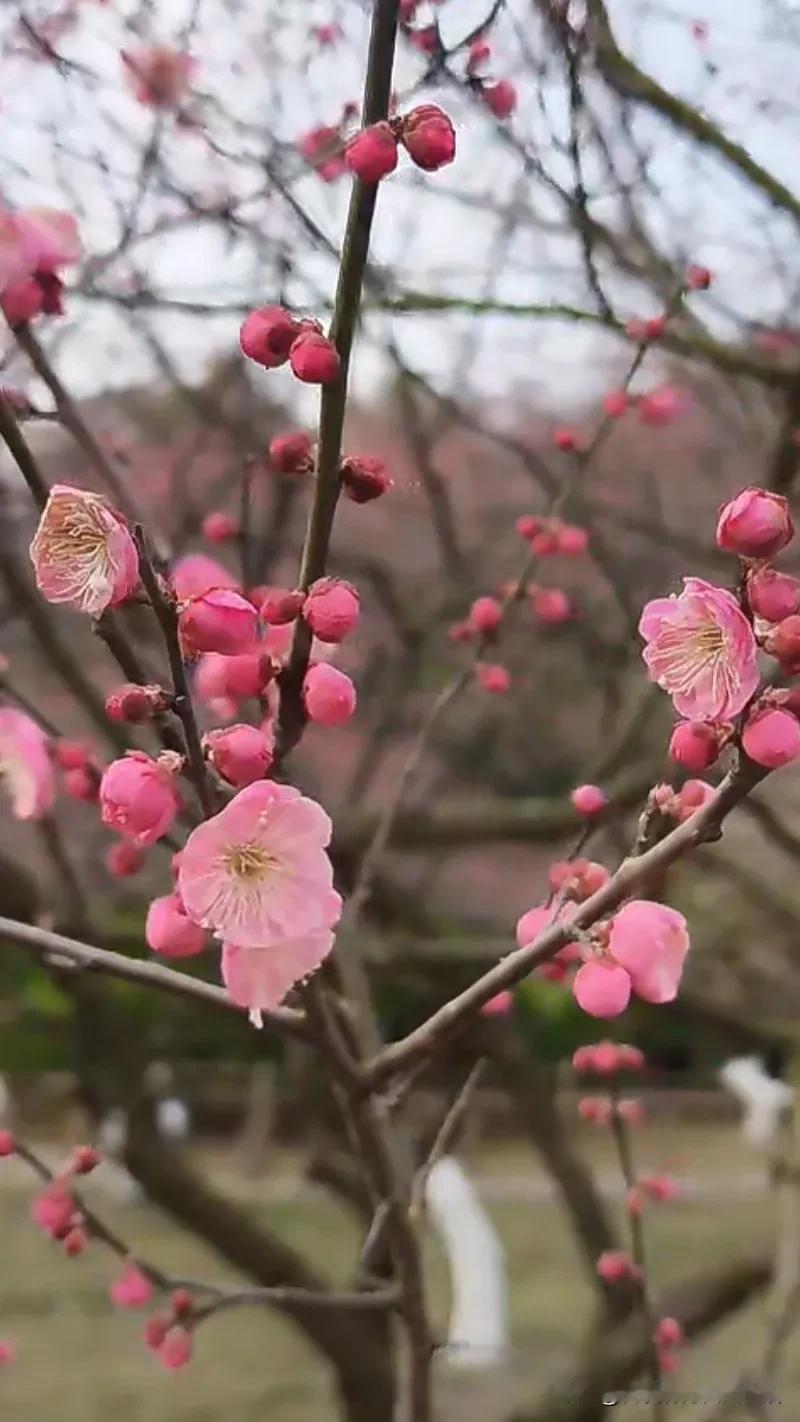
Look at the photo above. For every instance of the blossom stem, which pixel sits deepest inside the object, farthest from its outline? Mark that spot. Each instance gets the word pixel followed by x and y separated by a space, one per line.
pixel 622 1141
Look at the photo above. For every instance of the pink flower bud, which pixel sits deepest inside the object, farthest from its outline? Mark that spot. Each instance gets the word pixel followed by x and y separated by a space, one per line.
pixel 7 1144
pixel 7 1352
pixel 281 605
pixel 550 606
pixel 479 54
pixel 660 1188
pixel 545 543
pixel 501 98
pixel 182 1303
pixel 492 677
pixel 314 359
pixel 485 614
pixel 601 1059
pixel 691 796
pixel 429 137
pixel 498 1006
pixel 76 1242
pixel 196 573
pixel 634 1202
pixel 85 1159
pixel 589 800
pixel 134 704
pixel 631 1058
pixel 783 642
pixel 668 1333
pixel 528 526
pixel 331 609
pixel 695 744
pixel 571 540
pixel 71 755
pixel 132 1289
pixel 82 784
pixel 372 154
pixel 602 989
pixel 267 335
pixel 329 695
pixel 170 932
pixel 567 440
pixel 616 404
pixel 155 1331
pixel 241 754
pixel 756 524
pixel 698 278
pixel 773 595
pixel 124 859
pixel 53 1210
pixel 292 453
pixel 596 1110
pixel 364 477
pixel 613 1265
pixel 138 798
pixel 219 620
pixel 772 738
pixel 218 527
pixel 176 1349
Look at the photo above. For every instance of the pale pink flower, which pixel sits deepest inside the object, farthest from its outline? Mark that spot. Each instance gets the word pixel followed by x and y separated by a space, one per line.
pixel 138 798
pixel 25 764
pixel 83 553
pixel 650 942
pixel 259 978
pixel 257 873
pixel 701 651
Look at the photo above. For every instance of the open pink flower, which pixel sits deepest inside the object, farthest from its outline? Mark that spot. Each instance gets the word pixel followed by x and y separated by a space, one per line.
pixel 25 764
pixel 259 978
pixel 650 942
pixel 83 553
pixel 257 873
pixel 701 651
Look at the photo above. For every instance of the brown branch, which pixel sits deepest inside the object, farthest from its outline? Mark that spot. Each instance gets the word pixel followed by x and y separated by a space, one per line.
pixel 703 827
pixel 68 952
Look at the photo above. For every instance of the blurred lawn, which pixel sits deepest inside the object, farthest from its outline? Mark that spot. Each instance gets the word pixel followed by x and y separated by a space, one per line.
pixel 81 1361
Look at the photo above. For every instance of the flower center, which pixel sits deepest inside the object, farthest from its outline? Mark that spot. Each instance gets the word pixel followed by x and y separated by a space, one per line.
pixel 249 862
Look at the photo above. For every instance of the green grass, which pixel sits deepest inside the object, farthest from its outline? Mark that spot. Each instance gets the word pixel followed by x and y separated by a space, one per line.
pixel 81 1361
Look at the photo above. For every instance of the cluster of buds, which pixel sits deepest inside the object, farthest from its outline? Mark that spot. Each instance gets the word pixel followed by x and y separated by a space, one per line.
pixel 426 133
pixel 80 771
pixel 55 1209
pixel 756 526
pixel 548 536
pixel 271 336
pixel 134 704
pixel 169 1335
pixel 607 1059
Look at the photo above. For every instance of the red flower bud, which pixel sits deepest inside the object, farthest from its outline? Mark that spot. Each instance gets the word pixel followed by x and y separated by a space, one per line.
pixel 267 335
pixel 218 527
pixel 281 605
pixel 695 744
pixel 372 154
pixel 314 359
pixel 501 98
pixel 364 477
pixel 429 137
pixel 773 595
pixel 133 704
pixel 292 453
pixel 783 642
pixel 772 738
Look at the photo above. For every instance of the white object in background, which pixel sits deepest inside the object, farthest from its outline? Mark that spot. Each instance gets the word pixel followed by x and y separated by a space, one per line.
pixel 478 1331
pixel 173 1119
pixel 763 1097
pixel 111 1174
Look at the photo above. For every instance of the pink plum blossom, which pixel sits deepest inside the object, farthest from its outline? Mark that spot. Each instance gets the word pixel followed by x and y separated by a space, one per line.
pixel 159 75
pixel 701 651
pixel 25 764
pixel 259 978
pixel 83 553
pixel 258 873
pixel 138 798
pixel 650 941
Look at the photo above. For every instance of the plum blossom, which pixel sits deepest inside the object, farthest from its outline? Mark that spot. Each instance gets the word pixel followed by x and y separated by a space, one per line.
pixel 159 75
pixel 258 876
pixel 25 764
pixel 701 650
pixel 645 953
pixel 83 553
